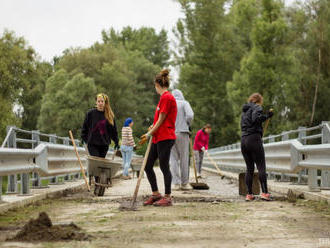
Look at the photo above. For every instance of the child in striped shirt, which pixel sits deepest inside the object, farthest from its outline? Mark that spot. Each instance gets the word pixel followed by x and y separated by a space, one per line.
pixel 127 145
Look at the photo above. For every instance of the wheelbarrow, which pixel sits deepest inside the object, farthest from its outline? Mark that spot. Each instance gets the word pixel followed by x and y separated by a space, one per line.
pixel 102 170
pixel 136 165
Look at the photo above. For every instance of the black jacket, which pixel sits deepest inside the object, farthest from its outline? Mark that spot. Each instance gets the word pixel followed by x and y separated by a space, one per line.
pixel 97 130
pixel 252 119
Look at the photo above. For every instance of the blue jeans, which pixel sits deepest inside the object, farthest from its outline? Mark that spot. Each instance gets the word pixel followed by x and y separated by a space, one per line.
pixel 127 152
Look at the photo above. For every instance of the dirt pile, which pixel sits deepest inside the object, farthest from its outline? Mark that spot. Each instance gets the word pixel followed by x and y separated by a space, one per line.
pixel 42 229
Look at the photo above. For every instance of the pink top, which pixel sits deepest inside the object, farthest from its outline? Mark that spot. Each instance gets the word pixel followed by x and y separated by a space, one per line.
pixel 201 139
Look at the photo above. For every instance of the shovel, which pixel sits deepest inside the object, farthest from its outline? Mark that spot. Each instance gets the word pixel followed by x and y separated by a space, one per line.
pixel 196 185
pixel 78 157
pixel 132 205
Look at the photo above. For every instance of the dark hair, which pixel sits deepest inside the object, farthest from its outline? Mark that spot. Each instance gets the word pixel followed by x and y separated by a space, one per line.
pixel 163 79
pixel 256 98
pixel 207 126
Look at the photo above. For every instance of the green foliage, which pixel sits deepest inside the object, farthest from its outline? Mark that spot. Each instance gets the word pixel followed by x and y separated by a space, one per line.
pixel 16 64
pixel 153 46
pixel 32 93
pixel 268 68
pixel 125 76
pixel 65 102
pixel 226 50
pixel 206 66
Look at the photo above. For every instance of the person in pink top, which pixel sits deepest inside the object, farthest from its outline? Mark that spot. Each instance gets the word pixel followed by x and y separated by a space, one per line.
pixel 201 144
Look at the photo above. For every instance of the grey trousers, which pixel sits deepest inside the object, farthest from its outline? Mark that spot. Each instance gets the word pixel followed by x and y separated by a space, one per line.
pixel 179 159
pixel 199 155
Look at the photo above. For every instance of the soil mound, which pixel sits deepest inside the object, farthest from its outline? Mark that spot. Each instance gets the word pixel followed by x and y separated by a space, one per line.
pixel 42 229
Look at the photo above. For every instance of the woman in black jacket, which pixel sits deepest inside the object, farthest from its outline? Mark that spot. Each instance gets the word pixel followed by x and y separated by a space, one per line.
pixel 251 144
pixel 99 128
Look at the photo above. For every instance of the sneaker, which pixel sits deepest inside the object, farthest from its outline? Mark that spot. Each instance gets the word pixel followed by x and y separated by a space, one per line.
pixel 152 199
pixel 186 187
pixel 249 197
pixel 266 197
pixel 164 202
pixel 176 187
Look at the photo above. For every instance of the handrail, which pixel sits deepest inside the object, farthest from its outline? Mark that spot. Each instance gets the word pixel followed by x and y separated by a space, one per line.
pixel 7 137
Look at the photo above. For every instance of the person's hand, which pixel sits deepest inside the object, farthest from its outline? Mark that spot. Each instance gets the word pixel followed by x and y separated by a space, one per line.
pixel 143 139
pixel 117 147
pixel 270 113
pixel 150 127
pixel 203 149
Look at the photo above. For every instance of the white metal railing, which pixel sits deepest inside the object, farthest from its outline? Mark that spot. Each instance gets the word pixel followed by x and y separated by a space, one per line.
pixel 287 158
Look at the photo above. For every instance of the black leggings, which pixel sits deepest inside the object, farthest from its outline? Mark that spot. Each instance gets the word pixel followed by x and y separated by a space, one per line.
pixel 161 150
pixel 253 153
pixel 98 151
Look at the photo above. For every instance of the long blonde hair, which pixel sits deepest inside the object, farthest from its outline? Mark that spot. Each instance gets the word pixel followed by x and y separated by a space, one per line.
pixel 108 113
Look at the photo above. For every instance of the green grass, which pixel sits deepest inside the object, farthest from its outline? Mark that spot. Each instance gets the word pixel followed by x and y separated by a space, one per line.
pixel 19 215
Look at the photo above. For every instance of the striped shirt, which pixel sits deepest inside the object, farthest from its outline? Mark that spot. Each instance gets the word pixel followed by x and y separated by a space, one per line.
pixel 127 136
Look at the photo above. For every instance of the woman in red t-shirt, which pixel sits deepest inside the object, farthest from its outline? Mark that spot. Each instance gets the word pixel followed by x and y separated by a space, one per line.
pixel 163 138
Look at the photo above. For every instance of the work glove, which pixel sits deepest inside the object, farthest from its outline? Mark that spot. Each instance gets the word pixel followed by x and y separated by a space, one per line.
pixel 203 149
pixel 117 146
pixel 144 137
pixel 270 113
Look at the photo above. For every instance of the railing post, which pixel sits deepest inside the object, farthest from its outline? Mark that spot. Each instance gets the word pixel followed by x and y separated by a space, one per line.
pixel 12 137
pixel 12 179
pixel 284 137
pixel 12 184
pixel 325 174
pixel 312 181
pixel 301 134
pixel 53 138
pixel 25 184
pixel 66 141
pixel 271 139
pixel 313 185
pixel 36 183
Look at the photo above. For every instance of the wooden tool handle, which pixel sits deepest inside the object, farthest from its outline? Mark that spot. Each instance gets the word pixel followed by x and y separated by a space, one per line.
pixel 214 163
pixel 267 123
pixel 193 159
pixel 81 166
pixel 141 171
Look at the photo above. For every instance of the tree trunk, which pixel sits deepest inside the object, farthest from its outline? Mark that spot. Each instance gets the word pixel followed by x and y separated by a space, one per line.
pixel 317 80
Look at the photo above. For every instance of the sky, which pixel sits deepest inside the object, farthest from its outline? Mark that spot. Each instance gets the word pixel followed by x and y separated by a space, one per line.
pixel 51 26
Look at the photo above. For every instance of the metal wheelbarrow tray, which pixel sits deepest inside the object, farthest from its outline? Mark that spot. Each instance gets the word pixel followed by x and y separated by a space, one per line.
pixel 103 170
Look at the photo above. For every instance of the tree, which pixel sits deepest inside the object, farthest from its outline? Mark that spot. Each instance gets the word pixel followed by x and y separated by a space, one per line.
pixel 65 103
pixel 126 76
pixel 31 96
pixel 268 68
pixel 154 47
pixel 205 55
pixel 16 63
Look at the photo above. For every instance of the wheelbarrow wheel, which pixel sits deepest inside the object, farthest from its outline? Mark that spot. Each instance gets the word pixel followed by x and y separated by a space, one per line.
pixel 103 180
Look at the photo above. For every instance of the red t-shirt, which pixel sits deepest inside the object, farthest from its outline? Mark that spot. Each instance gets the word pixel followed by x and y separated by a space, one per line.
pixel 167 105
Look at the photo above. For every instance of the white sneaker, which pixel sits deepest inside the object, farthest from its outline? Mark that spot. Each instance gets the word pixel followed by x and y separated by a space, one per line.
pixel 186 187
pixel 176 187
